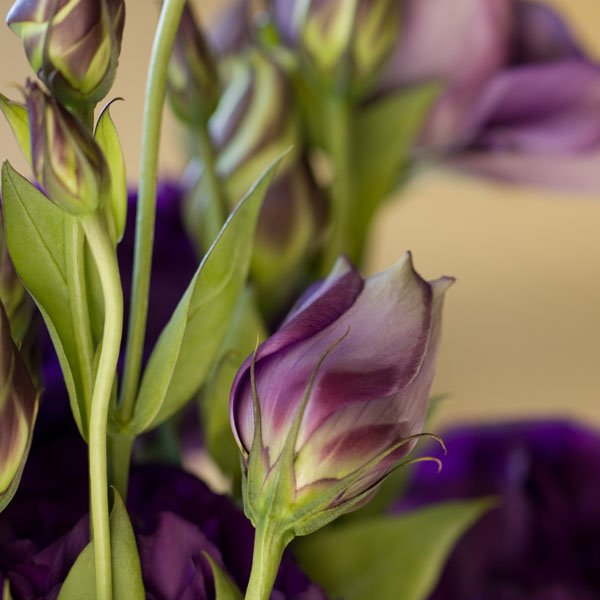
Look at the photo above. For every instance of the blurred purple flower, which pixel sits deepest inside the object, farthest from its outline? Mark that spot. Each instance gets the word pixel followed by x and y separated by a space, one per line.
pixel 543 541
pixel 522 101
pixel 175 517
pixel 371 391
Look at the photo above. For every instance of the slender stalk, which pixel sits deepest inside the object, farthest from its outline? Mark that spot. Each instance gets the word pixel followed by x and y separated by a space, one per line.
pixel 218 208
pixel 268 550
pixel 119 454
pixel 74 255
pixel 146 210
pixel 108 269
pixel 338 118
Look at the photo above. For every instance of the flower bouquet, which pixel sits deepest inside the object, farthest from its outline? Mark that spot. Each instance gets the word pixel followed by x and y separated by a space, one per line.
pixel 220 326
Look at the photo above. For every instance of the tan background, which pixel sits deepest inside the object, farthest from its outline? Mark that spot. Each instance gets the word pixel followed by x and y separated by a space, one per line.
pixel 522 324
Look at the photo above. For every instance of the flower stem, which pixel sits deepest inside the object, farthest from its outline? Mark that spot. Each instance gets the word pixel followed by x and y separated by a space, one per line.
pixel 218 209
pixel 146 209
pixel 74 255
pixel 108 269
pixel 338 117
pixel 268 550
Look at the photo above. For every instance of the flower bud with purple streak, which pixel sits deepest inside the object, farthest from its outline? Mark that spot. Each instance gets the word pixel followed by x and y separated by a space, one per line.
pixel 192 80
pixel 73 46
pixel 18 410
pixel 336 399
pixel 67 162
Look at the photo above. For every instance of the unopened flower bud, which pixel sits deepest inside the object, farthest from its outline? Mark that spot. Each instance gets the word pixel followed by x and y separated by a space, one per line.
pixel 17 302
pixel 73 46
pixel 18 409
pixel 345 41
pixel 67 161
pixel 335 400
pixel 192 78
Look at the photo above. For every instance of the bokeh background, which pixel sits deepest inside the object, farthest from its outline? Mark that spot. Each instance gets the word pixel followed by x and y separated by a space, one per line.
pixel 522 324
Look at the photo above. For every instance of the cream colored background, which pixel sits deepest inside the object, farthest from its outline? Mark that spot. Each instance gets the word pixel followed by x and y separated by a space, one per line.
pixel 522 324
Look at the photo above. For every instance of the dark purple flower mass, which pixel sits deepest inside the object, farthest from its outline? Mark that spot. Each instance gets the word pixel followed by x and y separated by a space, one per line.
pixel 542 542
pixel 175 516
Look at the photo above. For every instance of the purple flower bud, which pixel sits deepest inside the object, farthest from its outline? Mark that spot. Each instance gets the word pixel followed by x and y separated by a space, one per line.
pixel 341 390
pixel 73 46
pixel 18 409
pixel 192 79
pixel 345 41
pixel 67 162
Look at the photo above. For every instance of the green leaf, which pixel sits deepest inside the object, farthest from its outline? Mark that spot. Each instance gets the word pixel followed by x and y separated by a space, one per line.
pixel 7 595
pixel 389 556
pixel 127 571
pixel 36 244
pixel 17 118
pixel 239 342
pixel 115 210
pixel 225 588
pixel 188 345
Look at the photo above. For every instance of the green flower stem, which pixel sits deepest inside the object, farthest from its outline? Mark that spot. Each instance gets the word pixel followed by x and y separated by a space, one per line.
pixel 74 255
pixel 108 269
pixel 119 455
pixel 146 210
pixel 218 210
pixel 268 550
pixel 338 117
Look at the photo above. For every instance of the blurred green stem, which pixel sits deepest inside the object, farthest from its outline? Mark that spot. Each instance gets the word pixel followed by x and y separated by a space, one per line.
pixel 268 551
pixel 337 118
pixel 146 210
pixel 217 212
pixel 108 270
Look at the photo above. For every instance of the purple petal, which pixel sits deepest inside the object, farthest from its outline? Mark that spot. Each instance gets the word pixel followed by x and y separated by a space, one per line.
pixel 542 35
pixel 550 109
pixel 429 50
pixel 311 315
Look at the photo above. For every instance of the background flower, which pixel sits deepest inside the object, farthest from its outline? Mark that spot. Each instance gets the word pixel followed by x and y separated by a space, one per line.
pixel 543 540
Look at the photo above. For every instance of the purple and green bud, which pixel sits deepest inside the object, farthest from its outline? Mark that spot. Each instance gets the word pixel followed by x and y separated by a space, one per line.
pixel 192 79
pixel 335 400
pixel 72 45
pixel 18 409
pixel 346 42
pixel 67 161
pixel 17 302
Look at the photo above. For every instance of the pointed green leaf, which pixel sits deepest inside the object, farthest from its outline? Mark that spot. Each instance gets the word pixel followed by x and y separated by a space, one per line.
pixel 127 571
pixel 36 244
pixel 17 118
pixel 225 588
pixel 188 345
pixel 115 210
pixel 388 557
pixel 7 595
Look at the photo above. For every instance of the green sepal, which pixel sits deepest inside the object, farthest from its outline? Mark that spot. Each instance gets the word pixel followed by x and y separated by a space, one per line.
pixel 8 495
pixel 16 115
pixel 7 595
pixel 225 588
pixel 127 571
pixel 35 228
pixel 239 342
pixel 388 556
pixel 115 209
pixel 186 349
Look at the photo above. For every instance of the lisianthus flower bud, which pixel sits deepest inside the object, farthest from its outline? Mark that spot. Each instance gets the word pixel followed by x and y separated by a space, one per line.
pixel 73 46
pixel 335 400
pixel 67 162
pixel 192 79
pixel 18 409
pixel 345 41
